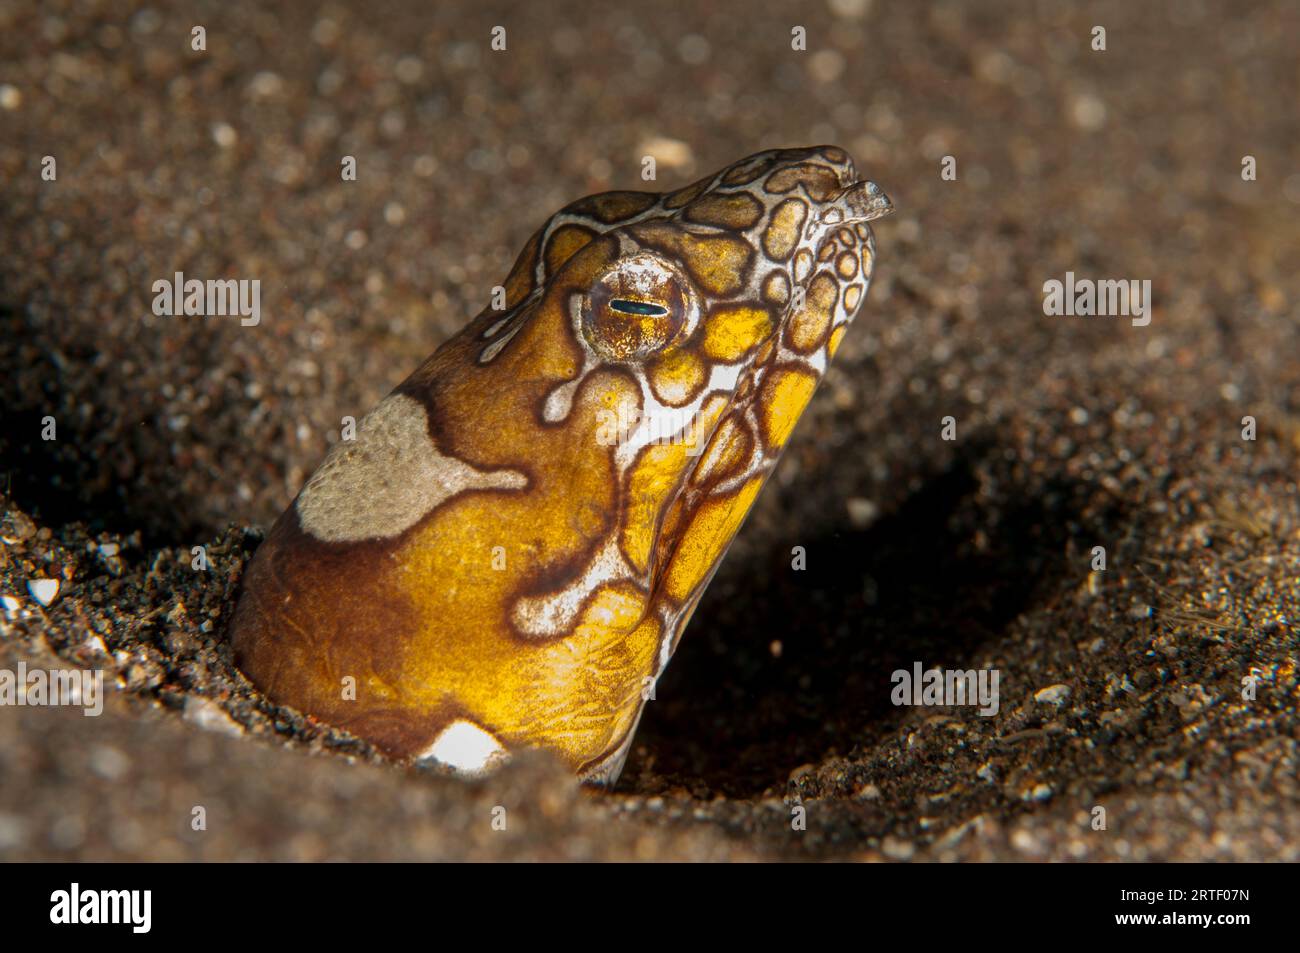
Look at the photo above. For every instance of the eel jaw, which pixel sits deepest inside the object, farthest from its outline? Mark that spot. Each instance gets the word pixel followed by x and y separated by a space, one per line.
pixel 857 203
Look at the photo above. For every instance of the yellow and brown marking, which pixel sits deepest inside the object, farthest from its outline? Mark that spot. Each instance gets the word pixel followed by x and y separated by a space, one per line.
pixel 508 553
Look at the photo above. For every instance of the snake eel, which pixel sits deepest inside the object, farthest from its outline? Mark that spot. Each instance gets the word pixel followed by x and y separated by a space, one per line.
pixel 507 552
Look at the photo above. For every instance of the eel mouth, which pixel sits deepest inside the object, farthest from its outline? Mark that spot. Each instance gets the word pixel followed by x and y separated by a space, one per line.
pixel 858 202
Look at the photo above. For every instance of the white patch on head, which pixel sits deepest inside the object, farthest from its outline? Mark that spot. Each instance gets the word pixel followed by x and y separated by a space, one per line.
pixel 559 402
pixel 465 748
pixel 391 475
pixel 556 613
pixel 661 423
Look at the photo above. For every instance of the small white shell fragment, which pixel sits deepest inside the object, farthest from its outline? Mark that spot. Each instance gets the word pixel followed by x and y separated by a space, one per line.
pixel 43 591
pixel 209 715
pixel 10 603
pixel 1053 694
pixel 95 642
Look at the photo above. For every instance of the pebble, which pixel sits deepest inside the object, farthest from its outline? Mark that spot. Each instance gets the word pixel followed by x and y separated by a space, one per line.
pixel 694 49
pixel 1039 792
pixel 409 70
pixel 265 85
pixel 13 831
pixel 862 512
pixel 1088 112
pixel 95 642
pixel 224 135
pixel 896 848
pixel 826 65
pixel 210 716
pixel 1023 840
pixel 850 9
pixel 109 763
pixel 669 153
pixel 1053 694
pixel 44 591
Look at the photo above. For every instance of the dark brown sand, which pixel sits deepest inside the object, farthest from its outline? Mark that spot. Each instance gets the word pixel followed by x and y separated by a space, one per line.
pixel 1072 432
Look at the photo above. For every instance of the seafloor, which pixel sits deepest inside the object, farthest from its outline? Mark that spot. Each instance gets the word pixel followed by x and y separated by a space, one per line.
pixel 1121 689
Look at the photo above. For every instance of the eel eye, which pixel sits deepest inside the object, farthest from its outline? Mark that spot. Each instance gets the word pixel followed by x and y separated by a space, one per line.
pixel 635 309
